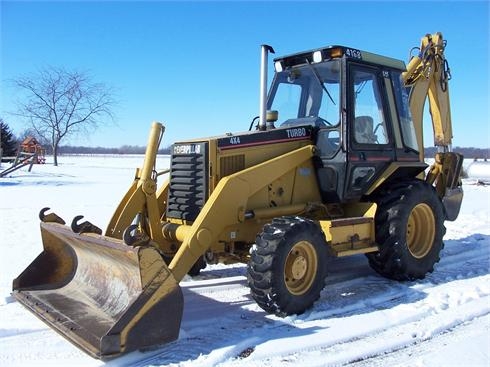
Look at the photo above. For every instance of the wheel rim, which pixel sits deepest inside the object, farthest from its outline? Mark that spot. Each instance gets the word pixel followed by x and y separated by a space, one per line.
pixel 420 230
pixel 301 268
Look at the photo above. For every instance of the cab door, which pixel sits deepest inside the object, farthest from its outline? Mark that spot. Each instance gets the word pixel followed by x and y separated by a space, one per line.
pixel 369 132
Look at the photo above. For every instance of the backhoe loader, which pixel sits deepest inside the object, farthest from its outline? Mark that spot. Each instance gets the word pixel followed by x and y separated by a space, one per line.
pixel 333 166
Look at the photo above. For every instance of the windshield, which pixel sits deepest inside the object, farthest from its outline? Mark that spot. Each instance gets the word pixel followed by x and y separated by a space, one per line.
pixel 307 91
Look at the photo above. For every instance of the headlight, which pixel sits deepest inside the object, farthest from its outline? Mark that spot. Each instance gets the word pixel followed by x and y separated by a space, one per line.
pixel 317 56
pixel 278 66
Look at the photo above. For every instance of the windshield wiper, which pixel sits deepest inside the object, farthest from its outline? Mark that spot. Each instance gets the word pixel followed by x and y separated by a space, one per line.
pixel 315 72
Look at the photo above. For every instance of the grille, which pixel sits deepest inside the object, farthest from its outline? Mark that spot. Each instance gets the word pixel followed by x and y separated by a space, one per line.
pixel 188 180
pixel 231 164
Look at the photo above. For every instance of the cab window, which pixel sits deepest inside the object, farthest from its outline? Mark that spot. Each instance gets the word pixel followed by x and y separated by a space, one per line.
pixel 403 107
pixel 369 119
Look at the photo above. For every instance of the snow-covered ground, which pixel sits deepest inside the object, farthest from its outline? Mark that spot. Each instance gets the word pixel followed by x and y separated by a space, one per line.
pixel 361 318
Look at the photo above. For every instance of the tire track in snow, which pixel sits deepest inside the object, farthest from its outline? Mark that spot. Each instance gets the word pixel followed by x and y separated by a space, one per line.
pixel 351 338
pixel 218 330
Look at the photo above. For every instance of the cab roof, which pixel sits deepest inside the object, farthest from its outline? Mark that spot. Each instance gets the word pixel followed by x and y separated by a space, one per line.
pixel 337 51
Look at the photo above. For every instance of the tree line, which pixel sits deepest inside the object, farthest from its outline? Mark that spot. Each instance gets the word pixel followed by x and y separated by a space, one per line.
pixel 124 149
pixel 10 145
pixel 468 152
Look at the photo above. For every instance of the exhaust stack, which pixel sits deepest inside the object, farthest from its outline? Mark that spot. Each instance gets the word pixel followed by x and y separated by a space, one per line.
pixel 265 49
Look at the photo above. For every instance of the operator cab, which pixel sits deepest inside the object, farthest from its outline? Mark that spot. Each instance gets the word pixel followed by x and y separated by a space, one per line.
pixel 359 108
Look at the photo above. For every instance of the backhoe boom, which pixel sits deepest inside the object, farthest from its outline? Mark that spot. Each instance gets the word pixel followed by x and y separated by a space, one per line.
pixel 427 75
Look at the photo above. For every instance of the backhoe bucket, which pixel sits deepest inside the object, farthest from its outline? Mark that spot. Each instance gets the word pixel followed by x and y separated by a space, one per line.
pixel 104 296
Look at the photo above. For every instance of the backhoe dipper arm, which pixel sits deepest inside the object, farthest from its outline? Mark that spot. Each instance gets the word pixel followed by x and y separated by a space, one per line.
pixel 427 75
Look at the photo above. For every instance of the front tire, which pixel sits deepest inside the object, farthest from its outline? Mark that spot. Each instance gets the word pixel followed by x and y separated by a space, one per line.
pixel 409 231
pixel 199 265
pixel 287 268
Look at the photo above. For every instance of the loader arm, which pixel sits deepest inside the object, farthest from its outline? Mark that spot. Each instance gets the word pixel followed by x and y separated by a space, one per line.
pixel 427 76
pixel 142 200
pixel 227 204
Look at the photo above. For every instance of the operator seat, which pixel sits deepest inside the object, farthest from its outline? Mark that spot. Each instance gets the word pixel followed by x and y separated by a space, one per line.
pixel 363 129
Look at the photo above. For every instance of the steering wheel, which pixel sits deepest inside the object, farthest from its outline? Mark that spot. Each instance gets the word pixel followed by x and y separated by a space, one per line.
pixel 324 121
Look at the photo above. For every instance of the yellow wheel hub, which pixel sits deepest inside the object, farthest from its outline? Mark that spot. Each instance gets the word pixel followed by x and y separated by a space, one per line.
pixel 301 267
pixel 421 230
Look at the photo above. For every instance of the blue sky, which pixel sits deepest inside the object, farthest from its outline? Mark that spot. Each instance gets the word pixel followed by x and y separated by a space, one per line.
pixel 195 65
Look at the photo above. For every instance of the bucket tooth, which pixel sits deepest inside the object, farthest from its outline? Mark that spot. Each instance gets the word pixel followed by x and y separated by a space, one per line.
pixel 133 237
pixel 51 217
pixel 84 227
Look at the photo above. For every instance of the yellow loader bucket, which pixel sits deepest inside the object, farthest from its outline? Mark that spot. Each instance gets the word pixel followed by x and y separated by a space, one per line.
pixel 102 295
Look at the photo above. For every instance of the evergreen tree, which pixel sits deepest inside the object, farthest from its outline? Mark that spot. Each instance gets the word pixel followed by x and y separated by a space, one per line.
pixel 9 143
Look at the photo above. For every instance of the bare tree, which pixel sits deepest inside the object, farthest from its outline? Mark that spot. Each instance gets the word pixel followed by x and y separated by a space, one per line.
pixel 59 103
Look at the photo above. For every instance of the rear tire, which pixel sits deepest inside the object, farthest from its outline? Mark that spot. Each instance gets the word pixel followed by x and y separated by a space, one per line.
pixel 409 231
pixel 287 268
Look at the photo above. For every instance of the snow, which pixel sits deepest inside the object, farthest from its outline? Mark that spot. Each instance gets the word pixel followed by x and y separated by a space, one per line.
pixel 361 319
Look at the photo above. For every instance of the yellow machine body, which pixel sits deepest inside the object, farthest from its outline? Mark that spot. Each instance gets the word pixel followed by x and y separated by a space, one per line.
pixel 254 197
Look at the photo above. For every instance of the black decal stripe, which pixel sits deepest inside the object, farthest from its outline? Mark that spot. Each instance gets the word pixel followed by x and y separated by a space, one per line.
pixel 262 138
pixel 267 142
